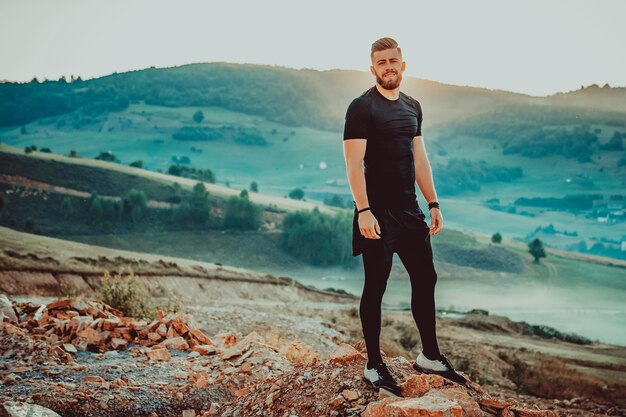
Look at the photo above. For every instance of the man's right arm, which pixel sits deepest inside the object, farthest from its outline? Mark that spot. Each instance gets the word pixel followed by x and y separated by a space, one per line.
pixel 354 152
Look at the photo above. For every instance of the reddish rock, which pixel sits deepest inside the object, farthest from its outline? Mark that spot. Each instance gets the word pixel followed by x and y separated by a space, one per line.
pixel 91 336
pixel 162 330
pixel 350 395
pixel 117 343
pixel 171 333
pixel 230 340
pixel 417 385
pixel 176 343
pixel 159 354
pixel 200 337
pixel 336 402
pixel 155 337
pixel 181 328
pixel 426 406
pixel 377 408
pixel 461 397
pixel 493 405
pixel 201 379
pixel 231 352
pixel 110 324
pixel 345 353
pixel 205 349
pixel 61 304
pixel 93 379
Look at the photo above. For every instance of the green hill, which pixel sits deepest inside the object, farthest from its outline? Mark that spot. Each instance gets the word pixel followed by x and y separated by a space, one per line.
pixel 501 161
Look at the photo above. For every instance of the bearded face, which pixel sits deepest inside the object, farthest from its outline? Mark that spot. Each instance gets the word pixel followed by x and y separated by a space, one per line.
pixel 387 66
pixel 389 79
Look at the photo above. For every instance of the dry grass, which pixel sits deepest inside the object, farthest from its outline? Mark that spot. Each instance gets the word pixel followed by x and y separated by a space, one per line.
pixel 550 377
pixel 294 350
pixel 127 294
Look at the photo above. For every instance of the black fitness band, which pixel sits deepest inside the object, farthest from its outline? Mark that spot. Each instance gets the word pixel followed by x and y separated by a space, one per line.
pixel 362 210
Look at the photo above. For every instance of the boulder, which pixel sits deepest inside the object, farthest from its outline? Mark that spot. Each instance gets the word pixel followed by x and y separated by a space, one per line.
pixel 15 409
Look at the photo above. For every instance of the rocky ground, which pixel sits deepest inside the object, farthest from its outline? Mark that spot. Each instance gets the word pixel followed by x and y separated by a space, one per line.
pixel 79 357
pixel 249 344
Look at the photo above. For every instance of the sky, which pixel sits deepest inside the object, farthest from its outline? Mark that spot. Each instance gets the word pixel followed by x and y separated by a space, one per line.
pixel 536 47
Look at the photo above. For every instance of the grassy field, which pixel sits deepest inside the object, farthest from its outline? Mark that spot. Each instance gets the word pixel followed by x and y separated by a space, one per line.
pixel 283 165
pixel 278 167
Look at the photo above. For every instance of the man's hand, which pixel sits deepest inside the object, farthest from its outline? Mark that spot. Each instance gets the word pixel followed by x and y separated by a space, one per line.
pixel 436 220
pixel 368 225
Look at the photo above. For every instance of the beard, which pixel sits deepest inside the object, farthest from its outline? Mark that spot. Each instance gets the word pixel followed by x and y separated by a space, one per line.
pixel 390 83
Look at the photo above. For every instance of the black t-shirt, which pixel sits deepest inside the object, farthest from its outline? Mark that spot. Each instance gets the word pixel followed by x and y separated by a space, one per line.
pixel 389 127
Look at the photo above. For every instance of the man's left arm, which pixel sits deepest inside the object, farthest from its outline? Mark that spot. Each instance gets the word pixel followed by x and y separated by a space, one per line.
pixel 424 180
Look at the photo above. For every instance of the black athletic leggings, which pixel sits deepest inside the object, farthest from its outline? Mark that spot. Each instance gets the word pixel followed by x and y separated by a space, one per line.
pixel 415 252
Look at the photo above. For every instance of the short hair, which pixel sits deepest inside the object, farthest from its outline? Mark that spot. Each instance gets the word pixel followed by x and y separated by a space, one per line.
pixel 384 43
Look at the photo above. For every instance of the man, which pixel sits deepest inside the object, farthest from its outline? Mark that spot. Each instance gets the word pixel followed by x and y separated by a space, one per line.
pixel 383 132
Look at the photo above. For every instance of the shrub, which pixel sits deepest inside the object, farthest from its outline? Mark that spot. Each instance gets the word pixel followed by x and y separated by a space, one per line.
pixel 318 238
pixel 296 194
pixel 241 213
pixel 198 116
pixel 126 294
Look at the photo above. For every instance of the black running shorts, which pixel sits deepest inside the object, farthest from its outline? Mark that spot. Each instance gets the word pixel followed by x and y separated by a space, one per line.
pixel 397 227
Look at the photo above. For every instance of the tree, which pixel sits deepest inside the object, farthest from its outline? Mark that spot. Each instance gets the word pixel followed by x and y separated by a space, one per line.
pixel 318 238
pixel 496 237
pixel 199 205
pixel 335 201
pixel 241 213
pixel 107 156
pixel 3 204
pixel 536 250
pixel 135 204
pixel 254 187
pixel 615 144
pixel 29 225
pixel 198 116
pixel 137 164
pixel 296 194
pixel 67 207
pixel 176 196
pixel 95 208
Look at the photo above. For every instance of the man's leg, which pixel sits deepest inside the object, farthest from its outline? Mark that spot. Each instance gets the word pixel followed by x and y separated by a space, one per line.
pixel 377 265
pixel 417 257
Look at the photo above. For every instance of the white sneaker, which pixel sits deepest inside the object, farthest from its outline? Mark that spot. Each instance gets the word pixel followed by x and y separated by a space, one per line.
pixel 430 364
pixel 380 378
pixel 440 366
